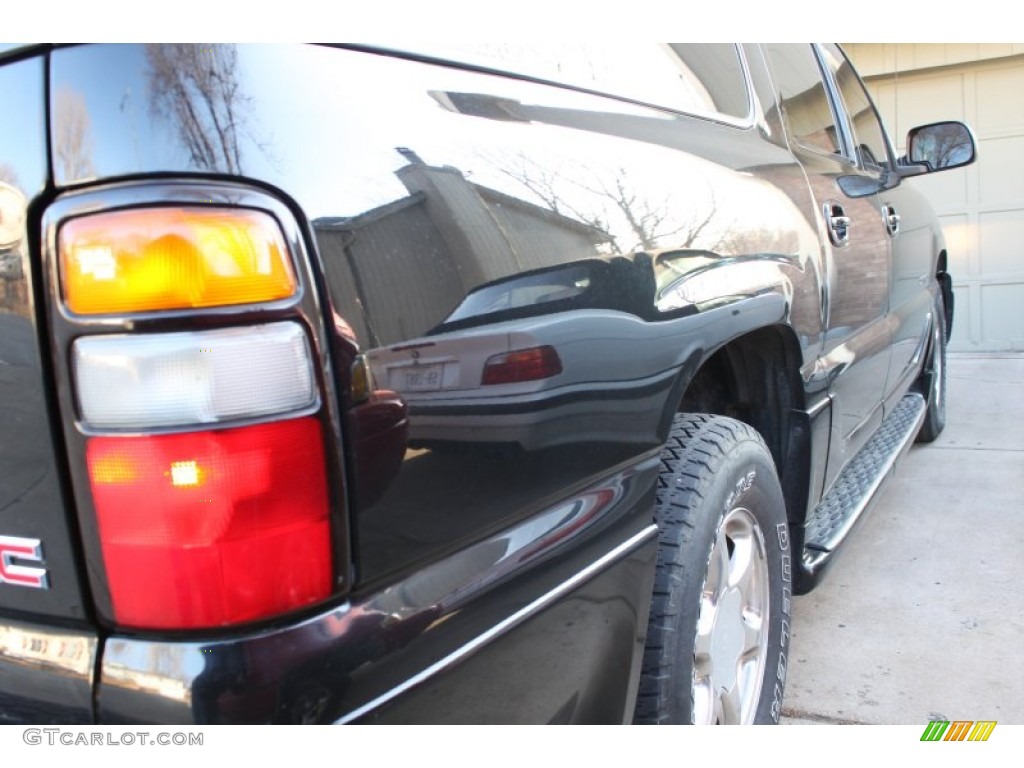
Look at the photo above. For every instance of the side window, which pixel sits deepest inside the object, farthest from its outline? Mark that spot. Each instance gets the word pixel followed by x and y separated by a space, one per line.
pixel 700 78
pixel 807 110
pixel 869 136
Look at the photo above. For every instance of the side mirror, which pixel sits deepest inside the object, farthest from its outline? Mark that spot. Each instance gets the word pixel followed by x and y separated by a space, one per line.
pixel 941 146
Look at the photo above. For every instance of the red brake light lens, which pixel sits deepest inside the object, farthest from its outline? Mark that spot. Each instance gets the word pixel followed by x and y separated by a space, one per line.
pixel 522 365
pixel 212 528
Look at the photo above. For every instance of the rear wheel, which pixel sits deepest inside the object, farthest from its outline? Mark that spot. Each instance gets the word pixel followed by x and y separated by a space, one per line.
pixel 719 623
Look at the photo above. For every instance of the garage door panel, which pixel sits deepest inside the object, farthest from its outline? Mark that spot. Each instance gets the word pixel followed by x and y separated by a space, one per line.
pixel 999 103
pixel 946 191
pixel 1001 235
pixel 1002 313
pixel 999 168
pixel 930 100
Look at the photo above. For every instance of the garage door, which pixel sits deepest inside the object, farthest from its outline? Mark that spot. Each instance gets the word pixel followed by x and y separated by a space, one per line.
pixel 981 207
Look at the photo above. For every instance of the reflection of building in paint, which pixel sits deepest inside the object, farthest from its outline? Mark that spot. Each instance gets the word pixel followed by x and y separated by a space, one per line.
pixel 408 263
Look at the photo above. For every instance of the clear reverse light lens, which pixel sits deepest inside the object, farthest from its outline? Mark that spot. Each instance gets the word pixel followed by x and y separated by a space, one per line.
pixel 178 379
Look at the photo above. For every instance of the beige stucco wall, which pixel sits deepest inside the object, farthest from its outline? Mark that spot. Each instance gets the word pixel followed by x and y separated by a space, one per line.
pixel 981 207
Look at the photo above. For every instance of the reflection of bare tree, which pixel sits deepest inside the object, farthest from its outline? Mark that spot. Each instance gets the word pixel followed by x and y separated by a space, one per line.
pixel 72 142
pixel 197 88
pixel 943 146
pixel 650 225
pixel 544 184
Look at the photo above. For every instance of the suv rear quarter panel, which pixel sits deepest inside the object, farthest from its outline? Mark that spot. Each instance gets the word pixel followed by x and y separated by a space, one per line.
pixel 418 184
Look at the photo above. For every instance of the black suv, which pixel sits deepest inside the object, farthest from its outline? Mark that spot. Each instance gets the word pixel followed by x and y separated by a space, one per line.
pixel 501 383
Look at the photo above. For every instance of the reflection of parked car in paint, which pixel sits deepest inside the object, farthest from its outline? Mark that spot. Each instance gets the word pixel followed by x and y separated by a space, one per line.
pixel 580 352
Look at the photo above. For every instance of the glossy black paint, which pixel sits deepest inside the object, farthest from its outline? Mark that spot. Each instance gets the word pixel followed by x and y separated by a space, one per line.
pixel 46 672
pixel 473 518
pixel 32 504
pixel 589 679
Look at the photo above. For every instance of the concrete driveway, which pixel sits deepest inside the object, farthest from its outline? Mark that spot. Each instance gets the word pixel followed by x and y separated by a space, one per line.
pixel 923 617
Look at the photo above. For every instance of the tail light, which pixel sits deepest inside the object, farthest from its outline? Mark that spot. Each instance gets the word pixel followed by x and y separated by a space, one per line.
pixel 522 365
pixel 204 451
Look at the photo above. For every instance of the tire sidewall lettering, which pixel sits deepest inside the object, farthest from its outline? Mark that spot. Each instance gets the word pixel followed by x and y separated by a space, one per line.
pixel 743 485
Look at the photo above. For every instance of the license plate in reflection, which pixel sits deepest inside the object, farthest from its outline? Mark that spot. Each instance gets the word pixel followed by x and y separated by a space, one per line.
pixel 422 377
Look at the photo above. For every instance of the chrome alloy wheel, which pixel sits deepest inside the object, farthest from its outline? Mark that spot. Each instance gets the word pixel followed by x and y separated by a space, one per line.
pixel 731 646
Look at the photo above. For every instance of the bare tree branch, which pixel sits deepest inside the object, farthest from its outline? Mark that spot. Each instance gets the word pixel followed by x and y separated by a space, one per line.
pixel 72 139
pixel 650 225
pixel 544 184
pixel 197 88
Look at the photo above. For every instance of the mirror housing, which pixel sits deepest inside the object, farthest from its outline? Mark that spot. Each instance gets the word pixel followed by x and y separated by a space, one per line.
pixel 938 147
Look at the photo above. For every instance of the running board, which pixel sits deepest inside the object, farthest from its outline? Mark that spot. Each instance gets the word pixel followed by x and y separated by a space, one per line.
pixel 859 483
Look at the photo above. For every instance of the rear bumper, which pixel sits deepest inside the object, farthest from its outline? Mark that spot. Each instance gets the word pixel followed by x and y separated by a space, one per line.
pixel 572 652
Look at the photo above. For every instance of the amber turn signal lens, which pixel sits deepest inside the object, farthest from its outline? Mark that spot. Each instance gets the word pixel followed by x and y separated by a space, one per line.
pixel 172 258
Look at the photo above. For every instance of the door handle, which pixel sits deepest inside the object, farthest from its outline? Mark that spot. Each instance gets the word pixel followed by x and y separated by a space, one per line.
pixel 892 220
pixel 838 223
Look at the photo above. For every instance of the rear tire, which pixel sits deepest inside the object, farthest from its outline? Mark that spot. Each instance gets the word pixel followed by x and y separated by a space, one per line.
pixel 719 622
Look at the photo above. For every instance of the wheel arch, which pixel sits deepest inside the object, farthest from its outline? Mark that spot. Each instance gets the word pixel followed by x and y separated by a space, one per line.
pixel 755 378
